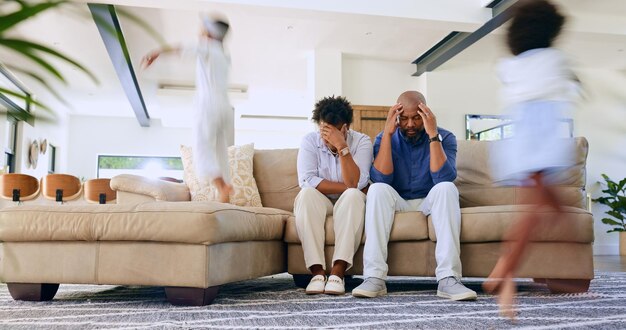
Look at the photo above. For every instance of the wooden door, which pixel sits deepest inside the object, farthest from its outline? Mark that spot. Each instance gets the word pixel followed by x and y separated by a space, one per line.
pixel 369 119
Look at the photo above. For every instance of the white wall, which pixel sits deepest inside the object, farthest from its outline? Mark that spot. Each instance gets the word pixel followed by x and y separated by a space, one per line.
pixel 93 136
pixel 55 132
pixel 378 82
pixel 455 90
pixel 602 120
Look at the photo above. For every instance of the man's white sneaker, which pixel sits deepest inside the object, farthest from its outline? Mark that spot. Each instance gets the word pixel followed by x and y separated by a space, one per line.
pixel 316 286
pixel 335 285
pixel 370 288
pixel 453 289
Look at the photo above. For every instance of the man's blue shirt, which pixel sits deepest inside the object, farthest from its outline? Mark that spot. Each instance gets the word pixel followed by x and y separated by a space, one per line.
pixel 411 176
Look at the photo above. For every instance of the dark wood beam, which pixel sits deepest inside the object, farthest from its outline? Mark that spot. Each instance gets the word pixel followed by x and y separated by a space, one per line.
pixel 111 32
pixel 456 42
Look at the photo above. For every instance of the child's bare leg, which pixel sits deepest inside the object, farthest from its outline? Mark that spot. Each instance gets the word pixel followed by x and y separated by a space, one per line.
pixel 518 237
pixel 506 298
pixel 223 189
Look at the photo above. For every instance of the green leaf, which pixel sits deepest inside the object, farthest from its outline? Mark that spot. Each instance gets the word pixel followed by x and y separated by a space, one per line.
pixel 24 97
pixel 615 214
pixel 601 200
pixel 39 79
pixel 24 44
pixel 622 184
pixel 10 20
pixel 611 222
pixel 27 52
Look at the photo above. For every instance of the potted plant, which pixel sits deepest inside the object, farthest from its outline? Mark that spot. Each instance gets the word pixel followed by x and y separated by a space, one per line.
pixel 615 198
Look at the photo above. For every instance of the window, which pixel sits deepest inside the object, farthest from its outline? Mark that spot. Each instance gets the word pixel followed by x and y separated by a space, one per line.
pixel 52 160
pixel 498 127
pixel 148 166
pixel 9 152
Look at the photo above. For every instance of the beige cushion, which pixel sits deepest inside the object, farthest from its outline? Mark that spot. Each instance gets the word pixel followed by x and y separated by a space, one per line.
pixel 134 189
pixel 475 182
pixel 245 191
pixel 475 195
pixel 182 222
pixel 277 177
pixel 407 226
pixel 490 223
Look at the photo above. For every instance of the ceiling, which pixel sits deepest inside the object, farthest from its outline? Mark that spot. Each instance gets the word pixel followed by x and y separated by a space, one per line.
pixel 270 41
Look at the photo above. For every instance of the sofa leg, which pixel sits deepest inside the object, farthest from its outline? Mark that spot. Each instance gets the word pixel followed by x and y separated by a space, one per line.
pixel 567 285
pixel 302 280
pixel 185 296
pixel 33 291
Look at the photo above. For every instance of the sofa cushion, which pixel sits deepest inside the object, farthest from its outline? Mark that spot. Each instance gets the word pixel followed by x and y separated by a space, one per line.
pixel 490 223
pixel 182 222
pixel 240 159
pixel 474 195
pixel 277 178
pixel 407 226
pixel 476 185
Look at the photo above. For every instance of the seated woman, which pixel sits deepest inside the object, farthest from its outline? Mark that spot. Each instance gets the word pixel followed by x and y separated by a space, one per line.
pixel 333 167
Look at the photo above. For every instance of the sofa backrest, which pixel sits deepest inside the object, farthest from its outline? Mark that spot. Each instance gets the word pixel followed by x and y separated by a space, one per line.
pixel 277 179
pixel 276 176
pixel 476 186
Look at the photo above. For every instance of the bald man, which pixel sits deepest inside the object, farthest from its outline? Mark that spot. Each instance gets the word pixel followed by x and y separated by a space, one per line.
pixel 414 166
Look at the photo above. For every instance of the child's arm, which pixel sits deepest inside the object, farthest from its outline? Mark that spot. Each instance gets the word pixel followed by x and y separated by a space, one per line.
pixel 147 60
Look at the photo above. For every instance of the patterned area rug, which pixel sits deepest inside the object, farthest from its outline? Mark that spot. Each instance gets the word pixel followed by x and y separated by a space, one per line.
pixel 274 302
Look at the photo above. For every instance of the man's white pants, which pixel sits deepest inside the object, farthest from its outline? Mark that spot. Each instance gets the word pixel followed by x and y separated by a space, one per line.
pixel 442 203
pixel 311 208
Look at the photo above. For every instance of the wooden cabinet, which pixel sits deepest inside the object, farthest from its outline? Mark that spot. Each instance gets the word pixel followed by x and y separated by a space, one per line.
pixel 369 119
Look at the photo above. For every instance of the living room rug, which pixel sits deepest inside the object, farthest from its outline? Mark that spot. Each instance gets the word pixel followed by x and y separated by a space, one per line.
pixel 274 302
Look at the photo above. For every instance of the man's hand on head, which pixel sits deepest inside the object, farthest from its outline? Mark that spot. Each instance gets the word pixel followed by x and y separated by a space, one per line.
pixel 429 119
pixel 393 122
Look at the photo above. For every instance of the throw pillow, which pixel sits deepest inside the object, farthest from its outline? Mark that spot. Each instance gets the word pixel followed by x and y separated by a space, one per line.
pixel 245 191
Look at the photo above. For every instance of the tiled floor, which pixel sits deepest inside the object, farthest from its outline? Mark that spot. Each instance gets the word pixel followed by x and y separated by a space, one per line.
pixel 610 263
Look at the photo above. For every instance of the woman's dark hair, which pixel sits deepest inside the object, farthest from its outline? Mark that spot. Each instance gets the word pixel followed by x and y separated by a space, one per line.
pixel 535 24
pixel 334 110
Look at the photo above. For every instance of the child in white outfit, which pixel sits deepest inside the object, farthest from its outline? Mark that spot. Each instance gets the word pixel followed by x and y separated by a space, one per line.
pixel 211 131
pixel 538 87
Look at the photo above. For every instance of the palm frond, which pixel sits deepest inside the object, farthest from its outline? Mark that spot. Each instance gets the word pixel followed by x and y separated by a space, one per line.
pixel 40 80
pixel 25 12
pixel 27 52
pixel 25 44
pixel 25 97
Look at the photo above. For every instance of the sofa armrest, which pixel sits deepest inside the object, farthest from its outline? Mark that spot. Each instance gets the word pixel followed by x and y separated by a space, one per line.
pixel 149 189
